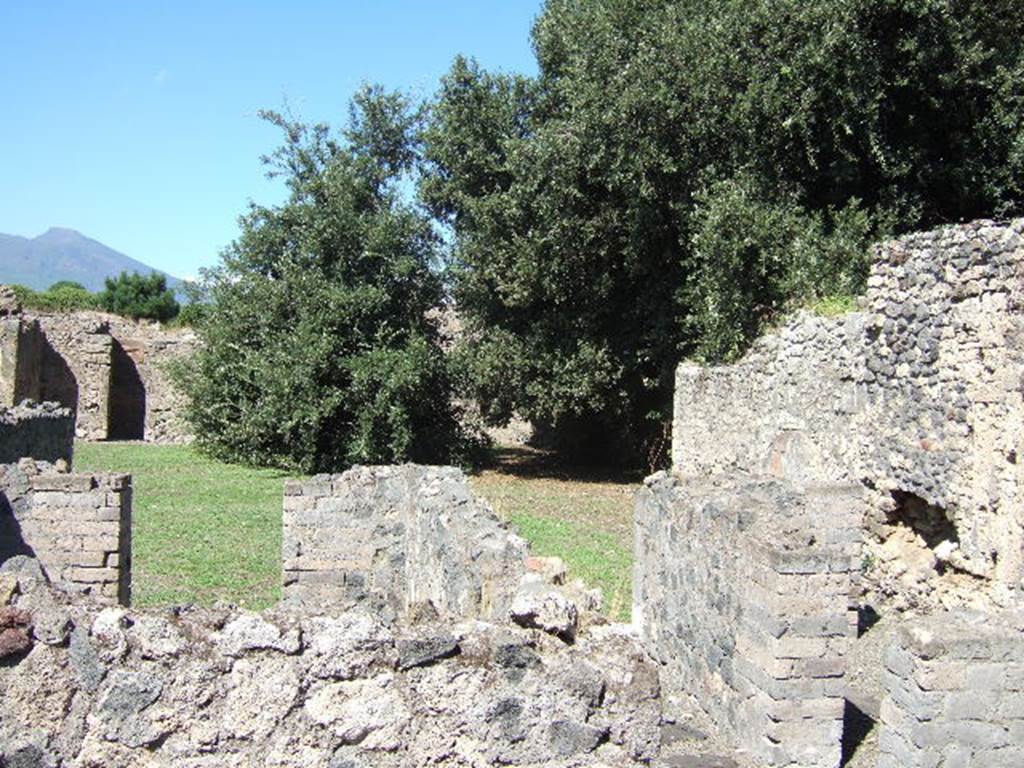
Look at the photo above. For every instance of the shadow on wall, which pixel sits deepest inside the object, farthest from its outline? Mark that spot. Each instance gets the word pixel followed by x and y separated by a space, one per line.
pixel 12 543
pixel 126 413
pixel 57 382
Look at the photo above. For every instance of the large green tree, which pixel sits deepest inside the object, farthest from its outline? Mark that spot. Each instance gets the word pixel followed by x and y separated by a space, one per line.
pixel 318 350
pixel 680 172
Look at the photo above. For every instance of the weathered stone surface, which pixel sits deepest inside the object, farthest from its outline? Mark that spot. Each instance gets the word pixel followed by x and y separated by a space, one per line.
pixel 742 592
pixel 110 371
pixel 354 692
pixel 954 691
pixel 538 606
pixel 394 539
pixel 419 652
pixel 75 528
pixel 44 432
pixel 919 395
pixel 15 631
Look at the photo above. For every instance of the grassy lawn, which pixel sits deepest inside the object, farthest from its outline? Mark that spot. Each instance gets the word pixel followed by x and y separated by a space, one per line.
pixel 586 518
pixel 205 531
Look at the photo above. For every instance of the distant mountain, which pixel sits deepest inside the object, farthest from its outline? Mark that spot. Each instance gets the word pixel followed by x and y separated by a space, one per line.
pixel 64 254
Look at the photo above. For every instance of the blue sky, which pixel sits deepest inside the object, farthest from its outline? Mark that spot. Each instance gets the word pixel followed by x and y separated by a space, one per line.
pixel 135 122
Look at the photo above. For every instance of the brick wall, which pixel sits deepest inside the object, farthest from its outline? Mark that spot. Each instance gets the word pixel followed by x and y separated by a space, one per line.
pixel 955 693
pixel 742 591
pixel 396 537
pixel 77 526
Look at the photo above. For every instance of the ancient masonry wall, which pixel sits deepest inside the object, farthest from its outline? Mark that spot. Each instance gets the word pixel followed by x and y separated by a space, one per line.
pixel 112 371
pixel 396 538
pixel 44 432
pixel 742 592
pixel 152 350
pixel 918 396
pixel 75 370
pixel 118 689
pixel 20 344
pixel 955 693
pixel 77 526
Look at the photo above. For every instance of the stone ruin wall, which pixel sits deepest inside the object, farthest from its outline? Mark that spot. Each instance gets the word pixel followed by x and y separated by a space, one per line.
pixel 394 538
pixel 44 432
pixel 111 371
pixel 403 673
pixel 918 397
pixel 955 692
pixel 76 526
pixel 742 593
pixel 747 569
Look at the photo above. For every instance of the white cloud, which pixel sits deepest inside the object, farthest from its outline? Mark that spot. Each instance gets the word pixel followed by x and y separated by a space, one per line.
pixel 160 77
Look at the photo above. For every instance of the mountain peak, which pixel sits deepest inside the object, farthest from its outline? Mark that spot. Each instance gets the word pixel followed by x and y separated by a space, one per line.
pixel 61 233
pixel 61 253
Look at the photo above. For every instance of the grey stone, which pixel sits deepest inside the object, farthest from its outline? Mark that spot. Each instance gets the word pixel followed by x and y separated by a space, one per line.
pixel 568 738
pixel 420 652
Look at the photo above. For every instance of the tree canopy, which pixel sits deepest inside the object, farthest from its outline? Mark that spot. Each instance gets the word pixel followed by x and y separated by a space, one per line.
pixel 139 296
pixel 318 349
pixel 681 172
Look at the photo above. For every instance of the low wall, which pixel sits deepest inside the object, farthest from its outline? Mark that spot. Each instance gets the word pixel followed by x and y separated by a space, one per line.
pixel 119 689
pixel 395 538
pixel 955 693
pixel 77 526
pixel 742 592
pixel 45 432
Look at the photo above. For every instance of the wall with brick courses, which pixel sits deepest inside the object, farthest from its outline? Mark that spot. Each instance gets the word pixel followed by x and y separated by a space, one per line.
pixel 153 349
pixel 742 592
pixel 920 393
pixel 77 526
pixel 394 538
pixel 44 432
pixel 955 693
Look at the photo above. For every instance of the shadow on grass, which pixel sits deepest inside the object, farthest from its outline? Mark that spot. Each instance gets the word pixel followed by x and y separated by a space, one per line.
pixel 527 463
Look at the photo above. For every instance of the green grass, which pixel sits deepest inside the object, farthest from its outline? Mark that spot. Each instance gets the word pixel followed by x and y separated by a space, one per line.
pixel 834 306
pixel 205 531
pixel 202 530
pixel 585 519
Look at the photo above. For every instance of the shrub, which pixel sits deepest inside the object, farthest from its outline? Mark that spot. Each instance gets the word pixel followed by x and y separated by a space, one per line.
pixel 318 352
pixel 139 296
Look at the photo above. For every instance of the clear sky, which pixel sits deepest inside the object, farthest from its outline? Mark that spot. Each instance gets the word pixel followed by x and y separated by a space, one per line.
pixel 135 122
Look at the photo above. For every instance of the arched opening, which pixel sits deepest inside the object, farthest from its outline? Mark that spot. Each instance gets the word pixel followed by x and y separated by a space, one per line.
pixel 126 408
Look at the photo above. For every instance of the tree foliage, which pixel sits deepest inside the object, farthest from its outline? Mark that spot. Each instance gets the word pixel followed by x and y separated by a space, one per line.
pixel 139 296
pixel 62 296
pixel 681 172
pixel 318 351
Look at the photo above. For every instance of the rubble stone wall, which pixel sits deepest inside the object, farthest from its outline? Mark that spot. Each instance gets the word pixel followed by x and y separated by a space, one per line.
pixel 44 432
pixel 75 369
pixel 152 349
pixel 396 538
pixel 919 394
pixel 742 592
pixel 955 693
pixel 118 689
pixel 20 352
